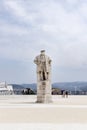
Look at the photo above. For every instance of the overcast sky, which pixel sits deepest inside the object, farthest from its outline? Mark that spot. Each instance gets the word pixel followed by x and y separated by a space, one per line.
pixel 28 26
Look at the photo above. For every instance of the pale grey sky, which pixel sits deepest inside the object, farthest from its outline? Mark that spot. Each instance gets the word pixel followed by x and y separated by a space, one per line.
pixel 58 26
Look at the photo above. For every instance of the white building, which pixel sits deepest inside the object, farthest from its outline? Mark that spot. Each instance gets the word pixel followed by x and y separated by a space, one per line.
pixel 5 88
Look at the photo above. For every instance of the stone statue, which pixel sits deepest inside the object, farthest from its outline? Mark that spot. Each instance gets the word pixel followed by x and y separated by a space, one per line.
pixel 43 63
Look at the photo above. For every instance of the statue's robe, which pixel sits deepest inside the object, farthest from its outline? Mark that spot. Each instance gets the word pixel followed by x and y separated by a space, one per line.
pixel 43 64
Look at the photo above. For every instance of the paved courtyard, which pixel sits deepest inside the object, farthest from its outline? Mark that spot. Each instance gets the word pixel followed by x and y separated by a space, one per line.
pixel 22 113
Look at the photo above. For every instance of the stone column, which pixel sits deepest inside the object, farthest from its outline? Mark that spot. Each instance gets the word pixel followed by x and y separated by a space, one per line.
pixel 43 63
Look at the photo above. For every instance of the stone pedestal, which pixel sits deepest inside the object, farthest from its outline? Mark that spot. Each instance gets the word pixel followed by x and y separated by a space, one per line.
pixel 43 63
pixel 44 92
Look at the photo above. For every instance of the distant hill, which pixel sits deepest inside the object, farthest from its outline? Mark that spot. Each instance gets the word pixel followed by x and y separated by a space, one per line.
pixel 69 86
pixel 33 86
pixel 17 88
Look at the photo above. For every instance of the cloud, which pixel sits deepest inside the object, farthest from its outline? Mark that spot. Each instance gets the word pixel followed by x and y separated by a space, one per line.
pixel 17 10
pixel 59 27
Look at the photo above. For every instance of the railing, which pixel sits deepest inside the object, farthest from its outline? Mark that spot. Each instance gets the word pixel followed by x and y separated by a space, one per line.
pixel 6 92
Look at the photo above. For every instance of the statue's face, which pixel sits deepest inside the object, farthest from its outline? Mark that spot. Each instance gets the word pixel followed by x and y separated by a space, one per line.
pixel 42 53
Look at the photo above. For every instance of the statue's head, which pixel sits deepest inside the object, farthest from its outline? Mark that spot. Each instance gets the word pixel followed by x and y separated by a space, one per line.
pixel 42 52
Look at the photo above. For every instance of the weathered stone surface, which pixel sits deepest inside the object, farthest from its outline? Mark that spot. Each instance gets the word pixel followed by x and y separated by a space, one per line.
pixel 43 63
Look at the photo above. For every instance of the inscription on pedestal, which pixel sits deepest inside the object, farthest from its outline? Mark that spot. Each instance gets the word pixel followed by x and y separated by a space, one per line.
pixel 43 83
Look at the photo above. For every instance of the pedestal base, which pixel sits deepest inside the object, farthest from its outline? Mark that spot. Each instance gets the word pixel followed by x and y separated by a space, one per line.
pixel 44 92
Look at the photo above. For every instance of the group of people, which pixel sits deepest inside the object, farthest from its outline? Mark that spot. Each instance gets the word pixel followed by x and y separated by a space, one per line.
pixel 64 93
